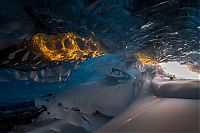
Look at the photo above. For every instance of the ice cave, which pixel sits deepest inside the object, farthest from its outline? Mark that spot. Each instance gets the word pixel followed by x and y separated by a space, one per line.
pixel 102 66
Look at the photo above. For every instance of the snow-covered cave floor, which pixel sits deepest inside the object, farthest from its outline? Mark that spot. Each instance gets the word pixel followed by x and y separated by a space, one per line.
pixel 102 89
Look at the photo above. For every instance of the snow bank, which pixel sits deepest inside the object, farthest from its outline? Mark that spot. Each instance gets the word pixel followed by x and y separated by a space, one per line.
pixel 106 85
pixel 176 88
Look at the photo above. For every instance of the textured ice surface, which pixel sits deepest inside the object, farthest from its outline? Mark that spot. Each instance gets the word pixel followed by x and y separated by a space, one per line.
pixel 164 30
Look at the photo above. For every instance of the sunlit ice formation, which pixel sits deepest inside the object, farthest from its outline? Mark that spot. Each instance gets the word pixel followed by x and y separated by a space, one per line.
pixel 145 59
pixel 40 51
pixel 170 68
pixel 66 46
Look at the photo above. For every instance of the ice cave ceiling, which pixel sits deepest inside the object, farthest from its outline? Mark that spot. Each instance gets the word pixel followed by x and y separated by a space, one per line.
pixel 35 35
pixel 169 26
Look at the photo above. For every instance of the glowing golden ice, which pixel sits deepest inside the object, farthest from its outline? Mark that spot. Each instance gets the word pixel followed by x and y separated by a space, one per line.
pixel 66 46
pixel 145 59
